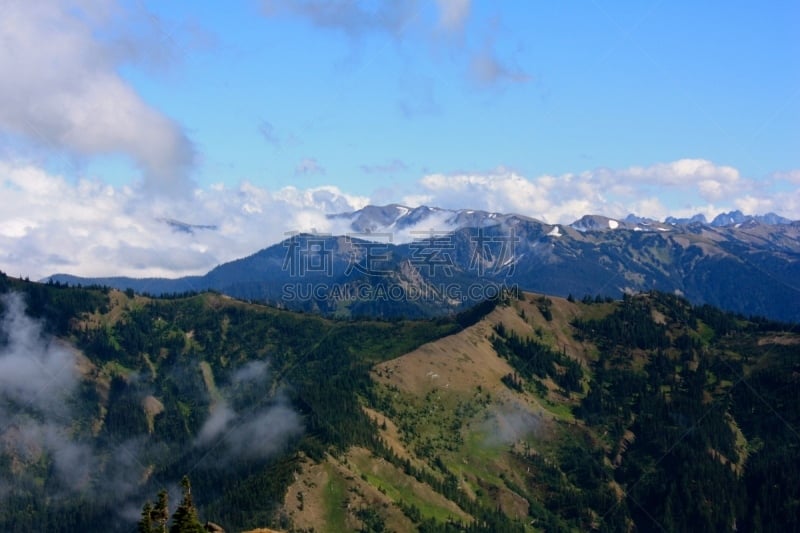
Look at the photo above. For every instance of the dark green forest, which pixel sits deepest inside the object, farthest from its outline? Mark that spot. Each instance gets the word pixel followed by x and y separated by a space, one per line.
pixel 317 368
pixel 682 388
pixel 686 418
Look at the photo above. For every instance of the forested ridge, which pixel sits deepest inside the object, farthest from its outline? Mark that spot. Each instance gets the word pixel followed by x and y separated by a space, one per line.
pixel 649 414
pixel 141 348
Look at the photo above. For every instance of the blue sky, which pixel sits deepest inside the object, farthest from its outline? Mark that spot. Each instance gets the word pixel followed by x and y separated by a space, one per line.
pixel 221 113
pixel 610 84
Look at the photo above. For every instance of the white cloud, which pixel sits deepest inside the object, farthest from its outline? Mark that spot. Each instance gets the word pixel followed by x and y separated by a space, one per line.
pixel 679 188
pixel 255 434
pixel 752 204
pixel 61 91
pixel 32 372
pixel 503 190
pixel 791 176
pixel 684 170
pixel 39 377
pixel 218 421
pixel 49 224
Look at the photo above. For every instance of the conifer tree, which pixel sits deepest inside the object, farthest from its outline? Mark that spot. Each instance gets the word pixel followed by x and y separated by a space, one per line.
pixel 155 517
pixel 185 518
pixel 160 513
pixel 146 522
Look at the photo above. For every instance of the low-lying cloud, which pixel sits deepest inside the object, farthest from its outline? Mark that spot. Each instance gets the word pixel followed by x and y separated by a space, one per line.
pixel 49 224
pixel 510 423
pixel 35 372
pixel 38 381
pixel 249 434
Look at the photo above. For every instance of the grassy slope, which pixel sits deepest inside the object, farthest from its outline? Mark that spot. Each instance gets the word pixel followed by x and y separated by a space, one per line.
pixel 444 405
pixel 443 409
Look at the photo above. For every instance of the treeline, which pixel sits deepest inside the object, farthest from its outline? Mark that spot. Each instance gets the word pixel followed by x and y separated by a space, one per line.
pixel 630 324
pixel 57 305
pixel 530 359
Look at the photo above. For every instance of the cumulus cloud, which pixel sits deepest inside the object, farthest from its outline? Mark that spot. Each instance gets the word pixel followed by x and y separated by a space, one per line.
pixel 502 190
pixel 61 90
pixel 49 225
pixel 680 188
pixel 712 181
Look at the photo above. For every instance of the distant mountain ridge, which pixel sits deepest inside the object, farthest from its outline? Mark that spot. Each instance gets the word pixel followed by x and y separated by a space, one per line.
pixel 425 261
pixel 397 217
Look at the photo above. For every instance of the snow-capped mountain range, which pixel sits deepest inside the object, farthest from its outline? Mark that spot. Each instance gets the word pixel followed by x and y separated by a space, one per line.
pixel 409 223
pixel 743 263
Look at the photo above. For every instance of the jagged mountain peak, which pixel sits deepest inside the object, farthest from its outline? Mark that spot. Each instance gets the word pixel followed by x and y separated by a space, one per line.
pixel 729 219
pixel 595 223
pixel 699 218
pixel 406 221
pixel 402 218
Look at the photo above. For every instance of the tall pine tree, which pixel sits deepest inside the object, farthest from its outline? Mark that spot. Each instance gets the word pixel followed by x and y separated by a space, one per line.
pixel 185 518
pixel 155 517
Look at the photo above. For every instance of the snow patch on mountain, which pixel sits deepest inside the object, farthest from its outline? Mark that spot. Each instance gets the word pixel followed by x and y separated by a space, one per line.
pixel 554 232
pixel 402 224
